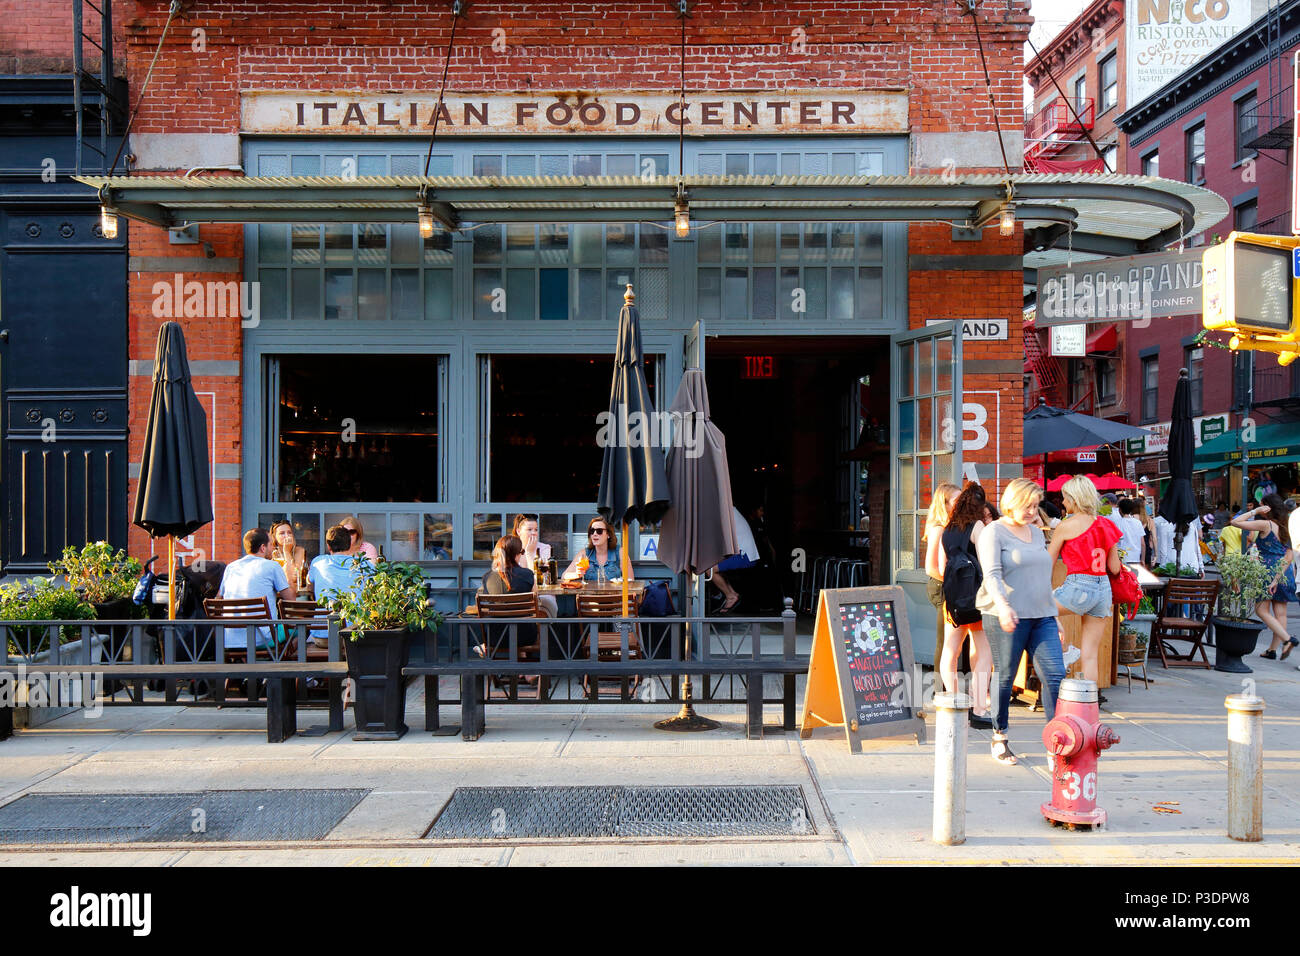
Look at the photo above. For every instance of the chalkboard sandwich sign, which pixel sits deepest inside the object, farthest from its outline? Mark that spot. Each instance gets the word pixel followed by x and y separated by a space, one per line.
pixel 861 659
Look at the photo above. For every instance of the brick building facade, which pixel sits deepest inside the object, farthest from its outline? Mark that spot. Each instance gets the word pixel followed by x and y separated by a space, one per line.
pixel 190 115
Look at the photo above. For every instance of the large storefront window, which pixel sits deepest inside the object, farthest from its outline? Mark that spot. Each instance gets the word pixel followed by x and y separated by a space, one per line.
pixel 358 428
pixel 540 418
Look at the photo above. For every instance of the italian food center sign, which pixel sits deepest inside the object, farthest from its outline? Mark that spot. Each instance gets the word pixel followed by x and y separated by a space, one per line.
pixel 783 111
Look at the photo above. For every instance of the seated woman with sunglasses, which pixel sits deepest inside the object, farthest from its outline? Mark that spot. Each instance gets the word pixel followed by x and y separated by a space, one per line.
pixel 601 554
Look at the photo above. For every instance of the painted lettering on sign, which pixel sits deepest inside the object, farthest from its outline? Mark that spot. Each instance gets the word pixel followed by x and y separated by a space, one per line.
pixel 823 111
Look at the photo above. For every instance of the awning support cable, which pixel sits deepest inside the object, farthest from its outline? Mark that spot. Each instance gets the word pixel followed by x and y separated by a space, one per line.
pixel 172 11
pixel 442 90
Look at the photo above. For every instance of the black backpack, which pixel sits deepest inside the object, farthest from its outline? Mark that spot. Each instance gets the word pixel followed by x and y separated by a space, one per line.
pixel 962 578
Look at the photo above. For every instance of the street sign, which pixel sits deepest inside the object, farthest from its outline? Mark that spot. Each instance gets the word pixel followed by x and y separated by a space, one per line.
pixel 1295 263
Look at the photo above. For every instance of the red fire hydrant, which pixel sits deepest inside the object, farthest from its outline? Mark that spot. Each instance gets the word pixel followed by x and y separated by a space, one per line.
pixel 1073 740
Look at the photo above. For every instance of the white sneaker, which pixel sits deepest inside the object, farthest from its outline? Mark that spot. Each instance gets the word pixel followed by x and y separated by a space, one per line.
pixel 1071 655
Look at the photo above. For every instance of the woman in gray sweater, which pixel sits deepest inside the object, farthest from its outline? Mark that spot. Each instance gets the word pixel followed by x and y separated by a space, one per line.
pixel 1016 601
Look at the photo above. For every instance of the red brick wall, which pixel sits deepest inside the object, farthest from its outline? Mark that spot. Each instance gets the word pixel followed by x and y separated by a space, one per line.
pixel 36 36
pixel 928 49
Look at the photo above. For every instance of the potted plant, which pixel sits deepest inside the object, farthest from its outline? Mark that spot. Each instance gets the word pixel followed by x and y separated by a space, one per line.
pixel 1135 634
pixel 41 599
pixel 1236 631
pixel 103 577
pixel 388 604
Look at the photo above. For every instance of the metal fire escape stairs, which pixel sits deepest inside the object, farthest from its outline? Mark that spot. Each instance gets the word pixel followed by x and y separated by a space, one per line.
pixel 99 98
pixel 1045 369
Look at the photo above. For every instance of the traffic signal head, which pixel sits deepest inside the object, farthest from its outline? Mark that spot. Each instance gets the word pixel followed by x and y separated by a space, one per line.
pixel 1248 284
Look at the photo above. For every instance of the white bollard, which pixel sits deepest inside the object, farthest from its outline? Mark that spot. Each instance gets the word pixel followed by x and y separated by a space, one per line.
pixel 1245 767
pixel 950 733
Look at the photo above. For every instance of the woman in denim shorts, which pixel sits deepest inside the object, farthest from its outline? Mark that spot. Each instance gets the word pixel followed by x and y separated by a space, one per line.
pixel 1086 543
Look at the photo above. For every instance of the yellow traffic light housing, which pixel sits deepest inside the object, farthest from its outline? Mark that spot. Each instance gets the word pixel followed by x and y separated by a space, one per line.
pixel 1249 288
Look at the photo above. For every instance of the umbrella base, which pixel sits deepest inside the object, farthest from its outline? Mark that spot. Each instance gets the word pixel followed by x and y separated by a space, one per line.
pixel 688 721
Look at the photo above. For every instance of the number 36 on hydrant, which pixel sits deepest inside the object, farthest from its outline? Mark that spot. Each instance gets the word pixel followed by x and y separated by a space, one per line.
pixel 1073 739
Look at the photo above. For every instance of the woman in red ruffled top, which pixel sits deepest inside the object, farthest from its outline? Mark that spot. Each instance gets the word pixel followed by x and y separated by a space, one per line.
pixel 1086 543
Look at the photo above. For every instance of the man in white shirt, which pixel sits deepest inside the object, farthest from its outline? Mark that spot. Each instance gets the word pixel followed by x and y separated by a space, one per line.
pixel 1191 553
pixel 255 575
pixel 1131 531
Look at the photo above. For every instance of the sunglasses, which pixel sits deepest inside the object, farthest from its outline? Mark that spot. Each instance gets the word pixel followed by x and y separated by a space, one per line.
pixel 350 530
pixel 595 531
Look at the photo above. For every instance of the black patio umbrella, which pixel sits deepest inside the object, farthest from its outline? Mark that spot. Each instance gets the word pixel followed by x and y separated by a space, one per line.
pixel 632 482
pixel 699 528
pixel 1048 428
pixel 174 497
pixel 1178 504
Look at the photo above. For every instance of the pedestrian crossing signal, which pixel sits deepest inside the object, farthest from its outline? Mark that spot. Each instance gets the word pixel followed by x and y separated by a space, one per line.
pixel 1249 288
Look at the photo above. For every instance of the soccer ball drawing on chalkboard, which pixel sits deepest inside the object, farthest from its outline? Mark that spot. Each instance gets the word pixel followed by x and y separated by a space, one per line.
pixel 869 635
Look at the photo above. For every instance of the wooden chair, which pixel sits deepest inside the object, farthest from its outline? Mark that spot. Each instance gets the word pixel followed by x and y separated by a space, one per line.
pixel 496 638
pixel 609 644
pixel 1184 616
pixel 304 611
pixel 237 609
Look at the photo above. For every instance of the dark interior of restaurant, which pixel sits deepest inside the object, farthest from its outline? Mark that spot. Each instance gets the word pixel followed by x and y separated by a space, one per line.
pixel 803 421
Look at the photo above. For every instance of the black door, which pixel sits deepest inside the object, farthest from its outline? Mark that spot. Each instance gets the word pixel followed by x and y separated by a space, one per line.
pixel 63 380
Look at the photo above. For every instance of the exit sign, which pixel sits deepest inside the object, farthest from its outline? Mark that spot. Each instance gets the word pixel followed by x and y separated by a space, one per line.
pixel 759 366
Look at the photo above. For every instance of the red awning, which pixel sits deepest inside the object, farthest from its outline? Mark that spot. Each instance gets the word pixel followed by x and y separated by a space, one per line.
pixel 1104 339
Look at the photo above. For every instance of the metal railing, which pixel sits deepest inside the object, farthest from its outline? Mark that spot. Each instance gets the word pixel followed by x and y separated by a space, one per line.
pixel 1061 121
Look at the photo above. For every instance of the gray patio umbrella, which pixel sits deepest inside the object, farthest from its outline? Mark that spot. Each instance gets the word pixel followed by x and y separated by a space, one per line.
pixel 632 482
pixel 174 497
pixel 1050 429
pixel 1178 503
pixel 698 529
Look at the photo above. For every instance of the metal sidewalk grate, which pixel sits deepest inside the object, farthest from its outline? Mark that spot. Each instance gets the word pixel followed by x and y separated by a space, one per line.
pixel 201 817
pixel 497 813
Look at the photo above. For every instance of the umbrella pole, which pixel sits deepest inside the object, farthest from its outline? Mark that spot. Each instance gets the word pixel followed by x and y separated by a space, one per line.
pixel 687 720
pixel 171 577
pixel 623 568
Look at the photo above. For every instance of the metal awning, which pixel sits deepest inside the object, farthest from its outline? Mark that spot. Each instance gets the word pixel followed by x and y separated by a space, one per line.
pixel 1110 214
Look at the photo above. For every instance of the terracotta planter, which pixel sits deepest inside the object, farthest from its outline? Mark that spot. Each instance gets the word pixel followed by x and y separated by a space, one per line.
pixel 375 664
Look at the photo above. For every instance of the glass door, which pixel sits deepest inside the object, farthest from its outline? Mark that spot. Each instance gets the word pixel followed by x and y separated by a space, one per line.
pixel 925 433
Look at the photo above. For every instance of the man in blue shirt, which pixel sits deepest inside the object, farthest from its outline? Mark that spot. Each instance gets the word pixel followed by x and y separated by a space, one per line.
pixel 335 572
pixel 255 575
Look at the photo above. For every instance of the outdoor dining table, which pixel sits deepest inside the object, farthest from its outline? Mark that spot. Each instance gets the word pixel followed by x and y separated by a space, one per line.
pixel 566 600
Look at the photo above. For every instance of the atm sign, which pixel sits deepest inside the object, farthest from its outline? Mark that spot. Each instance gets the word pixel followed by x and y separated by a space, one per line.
pixel 759 366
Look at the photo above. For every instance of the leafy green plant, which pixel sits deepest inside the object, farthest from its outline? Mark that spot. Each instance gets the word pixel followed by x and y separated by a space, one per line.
pixel 388 596
pixel 1245 584
pixel 41 599
pixel 1171 570
pixel 1145 606
pixel 98 572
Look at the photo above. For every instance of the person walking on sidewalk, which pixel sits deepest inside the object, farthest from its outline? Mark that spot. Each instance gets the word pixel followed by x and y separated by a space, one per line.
pixel 1273 539
pixel 961 581
pixel 1087 545
pixel 1016 601
pixel 940 507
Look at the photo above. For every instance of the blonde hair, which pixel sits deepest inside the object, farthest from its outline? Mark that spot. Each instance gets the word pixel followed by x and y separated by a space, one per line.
pixel 1083 493
pixel 361 532
pixel 1019 493
pixel 937 517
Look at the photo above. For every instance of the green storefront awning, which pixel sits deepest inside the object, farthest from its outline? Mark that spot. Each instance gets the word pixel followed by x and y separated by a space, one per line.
pixel 1272 445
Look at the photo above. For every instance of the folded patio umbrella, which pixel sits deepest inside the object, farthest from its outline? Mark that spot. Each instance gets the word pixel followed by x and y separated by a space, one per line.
pixel 632 482
pixel 1178 504
pixel 698 529
pixel 174 497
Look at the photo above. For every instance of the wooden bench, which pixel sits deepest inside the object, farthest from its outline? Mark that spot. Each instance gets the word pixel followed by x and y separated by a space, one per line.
pixel 611 659
pixel 281 685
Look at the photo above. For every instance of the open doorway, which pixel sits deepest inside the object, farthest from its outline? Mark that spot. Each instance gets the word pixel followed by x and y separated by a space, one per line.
pixel 807 429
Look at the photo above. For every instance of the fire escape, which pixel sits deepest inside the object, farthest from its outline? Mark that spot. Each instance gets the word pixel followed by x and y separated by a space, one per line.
pixel 1058 125
pixel 99 98
pixel 1045 370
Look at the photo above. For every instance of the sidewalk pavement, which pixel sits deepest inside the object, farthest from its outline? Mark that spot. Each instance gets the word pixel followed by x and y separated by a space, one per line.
pixel 871 808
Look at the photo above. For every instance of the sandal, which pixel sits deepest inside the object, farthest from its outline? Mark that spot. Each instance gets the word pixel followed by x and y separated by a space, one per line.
pixel 728 606
pixel 1290 646
pixel 1002 751
pixel 1269 655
